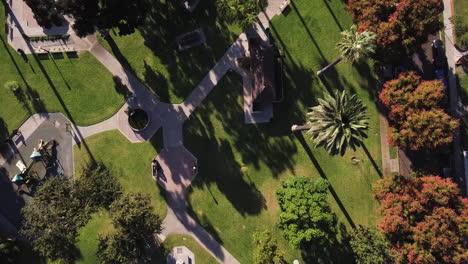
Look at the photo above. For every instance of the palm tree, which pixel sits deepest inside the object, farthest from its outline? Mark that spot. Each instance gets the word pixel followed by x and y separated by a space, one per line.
pixel 338 122
pixel 353 46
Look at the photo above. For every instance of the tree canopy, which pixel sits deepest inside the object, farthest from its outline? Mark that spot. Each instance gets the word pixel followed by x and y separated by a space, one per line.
pixel 370 246
pixel 425 219
pixel 265 249
pixel 90 14
pixel 401 25
pixel 244 12
pixel 338 122
pixel 305 215
pixel 135 225
pixel 414 106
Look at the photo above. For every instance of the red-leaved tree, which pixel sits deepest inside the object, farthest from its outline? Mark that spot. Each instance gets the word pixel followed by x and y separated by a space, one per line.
pixel 425 219
pixel 401 25
pixel 429 129
pixel 414 109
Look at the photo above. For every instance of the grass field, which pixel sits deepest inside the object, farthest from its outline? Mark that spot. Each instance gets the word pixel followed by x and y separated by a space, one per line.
pixel 81 88
pixel 461 12
pixel 100 223
pixel 151 52
pixel 131 163
pixel 241 166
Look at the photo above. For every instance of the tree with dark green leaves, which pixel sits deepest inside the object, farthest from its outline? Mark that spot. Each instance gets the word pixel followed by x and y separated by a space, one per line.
pixel 97 187
pixel 135 226
pixel 244 12
pixel 265 249
pixel 52 219
pixel 305 215
pixel 370 246
pixel 338 122
pixel 90 14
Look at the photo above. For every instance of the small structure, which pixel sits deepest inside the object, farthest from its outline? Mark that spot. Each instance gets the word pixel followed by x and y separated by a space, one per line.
pixel 180 255
pixel 26 35
pixel 190 39
pixel 264 88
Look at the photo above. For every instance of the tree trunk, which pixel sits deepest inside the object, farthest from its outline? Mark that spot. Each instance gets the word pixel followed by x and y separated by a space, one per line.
pixel 295 128
pixel 329 66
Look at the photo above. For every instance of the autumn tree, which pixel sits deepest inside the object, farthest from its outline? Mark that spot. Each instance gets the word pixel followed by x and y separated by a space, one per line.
pixel 370 246
pixel 414 109
pixel 428 129
pixel 425 219
pixel 305 215
pixel 265 249
pixel 401 25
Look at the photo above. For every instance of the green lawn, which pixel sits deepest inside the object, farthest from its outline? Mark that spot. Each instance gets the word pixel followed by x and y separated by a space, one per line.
pixel 130 162
pixel 461 11
pixel 241 166
pixel 201 255
pixel 81 88
pixel 88 239
pixel 462 79
pixel 151 52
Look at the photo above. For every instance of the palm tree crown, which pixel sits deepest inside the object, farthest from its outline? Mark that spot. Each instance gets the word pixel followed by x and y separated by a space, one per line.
pixel 338 122
pixel 356 45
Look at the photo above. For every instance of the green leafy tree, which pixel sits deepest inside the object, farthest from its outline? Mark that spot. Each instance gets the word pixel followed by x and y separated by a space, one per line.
pixel 370 246
pixel 305 215
pixel 354 46
pixel 135 226
pixel 118 247
pixel 265 249
pixel 338 122
pixel 97 187
pixel 244 12
pixel 52 219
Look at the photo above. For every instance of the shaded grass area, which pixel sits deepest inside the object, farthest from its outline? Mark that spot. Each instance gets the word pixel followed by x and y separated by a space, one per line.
pixel 151 52
pixel 172 241
pixel 81 88
pixel 130 162
pixel 462 82
pixel 241 166
pixel 461 12
pixel 100 223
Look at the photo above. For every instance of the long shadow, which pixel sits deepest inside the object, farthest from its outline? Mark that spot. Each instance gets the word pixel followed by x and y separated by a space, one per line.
pixel 49 81
pixel 306 147
pixel 333 15
pixel 308 31
pixel 59 71
pixel 376 167
pixel 4 133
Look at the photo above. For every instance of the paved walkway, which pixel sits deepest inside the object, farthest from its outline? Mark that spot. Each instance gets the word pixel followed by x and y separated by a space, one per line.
pixel 178 164
pixel 453 55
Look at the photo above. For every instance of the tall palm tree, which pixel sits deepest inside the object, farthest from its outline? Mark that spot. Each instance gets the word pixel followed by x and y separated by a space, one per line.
pixel 353 46
pixel 338 122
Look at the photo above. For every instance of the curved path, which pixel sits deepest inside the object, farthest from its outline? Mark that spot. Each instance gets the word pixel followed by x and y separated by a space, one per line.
pixel 177 162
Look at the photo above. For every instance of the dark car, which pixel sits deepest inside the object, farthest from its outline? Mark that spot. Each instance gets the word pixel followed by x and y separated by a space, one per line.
pixel 438 54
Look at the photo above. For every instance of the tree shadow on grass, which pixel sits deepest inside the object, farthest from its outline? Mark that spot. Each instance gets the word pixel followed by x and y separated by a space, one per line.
pixel 314 161
pixel 4 133
pixel 334 251
pixel 156 82
pixel 185 68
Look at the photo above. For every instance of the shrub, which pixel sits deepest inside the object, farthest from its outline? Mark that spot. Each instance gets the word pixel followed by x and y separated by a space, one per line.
pixel 370 246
